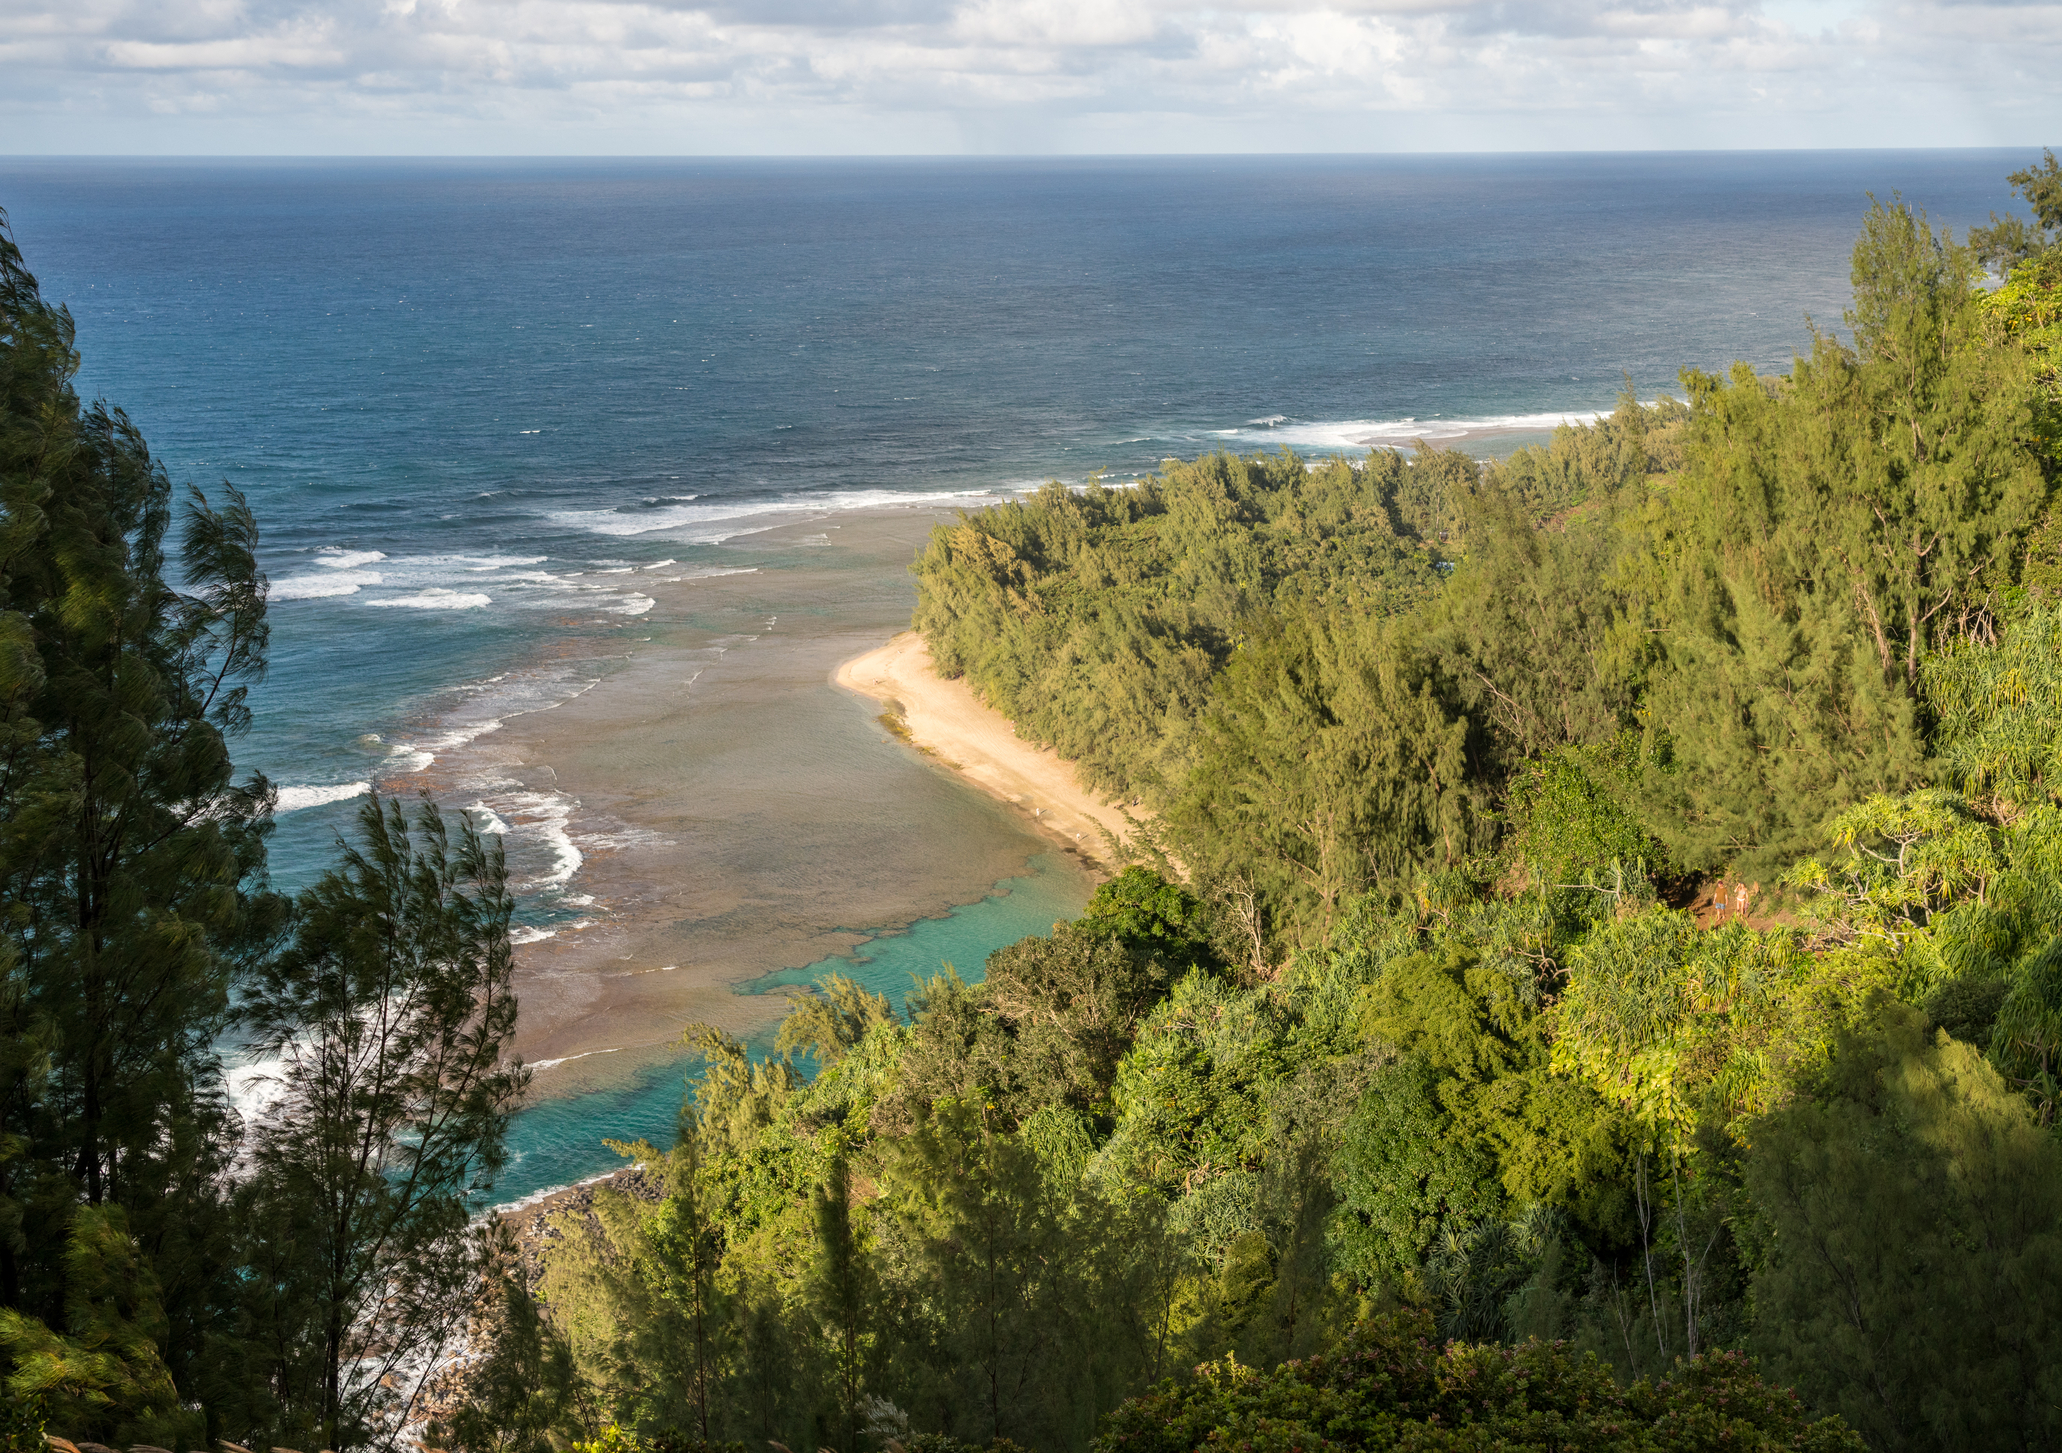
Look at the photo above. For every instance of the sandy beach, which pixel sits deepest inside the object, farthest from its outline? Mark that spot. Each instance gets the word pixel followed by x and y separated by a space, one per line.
pixel 728 812
pixel 946 719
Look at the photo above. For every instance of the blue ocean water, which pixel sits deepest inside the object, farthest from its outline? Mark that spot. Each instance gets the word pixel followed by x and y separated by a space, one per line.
pixel 475 401
pixel 478 369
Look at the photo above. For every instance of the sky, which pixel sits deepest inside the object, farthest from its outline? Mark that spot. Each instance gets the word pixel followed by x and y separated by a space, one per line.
pixel 827 77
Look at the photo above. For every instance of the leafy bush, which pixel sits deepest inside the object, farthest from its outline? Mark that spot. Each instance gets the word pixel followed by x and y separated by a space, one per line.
pixel 1393 1386
pixel 21 1425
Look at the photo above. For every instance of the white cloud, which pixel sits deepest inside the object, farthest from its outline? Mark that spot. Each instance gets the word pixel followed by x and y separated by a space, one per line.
pixel 1026 75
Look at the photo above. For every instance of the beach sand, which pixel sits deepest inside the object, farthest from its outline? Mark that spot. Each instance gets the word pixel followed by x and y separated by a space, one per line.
pixel 734 812
pixel 947 720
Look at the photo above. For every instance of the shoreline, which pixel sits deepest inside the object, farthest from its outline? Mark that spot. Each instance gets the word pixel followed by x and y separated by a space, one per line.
pixel 711 810
pixel 949 723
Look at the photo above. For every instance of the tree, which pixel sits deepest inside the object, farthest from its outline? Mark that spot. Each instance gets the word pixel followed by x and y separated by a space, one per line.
pixel 1916 1220
pixel 831 1019
pixel 2006 243
pixel 131 864
pixel 1828 533
pixel 387 1018
pixel 972 1234
pixel 104 1368
pixel 1152 916
pixel 1393 1385
pixel 687 1240
pixel 1528 624
pixel 1404 1179
pixel 1998 712
pixel 1337 756
pixel 839 1295
pixel 523 1396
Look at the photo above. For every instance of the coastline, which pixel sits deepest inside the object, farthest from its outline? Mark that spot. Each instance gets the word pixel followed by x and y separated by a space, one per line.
pixel 709 811
pixel 946 720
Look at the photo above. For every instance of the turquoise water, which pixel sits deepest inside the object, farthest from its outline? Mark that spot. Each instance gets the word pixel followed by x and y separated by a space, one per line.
pixel 461 393
pixel 490 413
pixel 891 963
pixel 555 1141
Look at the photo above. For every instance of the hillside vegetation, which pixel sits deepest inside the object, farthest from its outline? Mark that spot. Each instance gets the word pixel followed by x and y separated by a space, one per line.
pixel 1603 928
pixel 1595 982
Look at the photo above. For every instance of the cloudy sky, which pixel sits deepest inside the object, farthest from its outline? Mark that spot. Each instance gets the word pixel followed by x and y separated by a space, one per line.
pixel 949 76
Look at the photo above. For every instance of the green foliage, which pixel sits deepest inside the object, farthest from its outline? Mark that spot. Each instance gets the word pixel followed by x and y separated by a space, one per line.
pixel 2027 311
pixel 1095 620
pixel 1999 738
pixel 388 1016
pixel 104 1368
pixel 1392 1386
pixel 1752 580
pixel 1405 1179
pixel 2007 936
pixel 21 1425
pixel 1828 532
pixel 1906 857
pixel 1530 625
pixel 1916 1219
pixel 832 1019
pixel 1190 1094
pixel 525 1394
pixel 1337 756
pixel 1677 1025
pixel 1571 825
pixel 1152 915
pixel 131 861
pixel 2008 242
pixel 616 1439
pixel 1489 1108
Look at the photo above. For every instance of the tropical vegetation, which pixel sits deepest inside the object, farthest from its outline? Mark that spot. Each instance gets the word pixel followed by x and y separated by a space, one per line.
pixel 1587 972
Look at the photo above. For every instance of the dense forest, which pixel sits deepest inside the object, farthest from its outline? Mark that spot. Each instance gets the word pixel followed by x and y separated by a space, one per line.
pixel 1588 975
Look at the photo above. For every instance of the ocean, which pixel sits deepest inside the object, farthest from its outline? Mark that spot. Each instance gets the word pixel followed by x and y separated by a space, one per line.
pixel 578 477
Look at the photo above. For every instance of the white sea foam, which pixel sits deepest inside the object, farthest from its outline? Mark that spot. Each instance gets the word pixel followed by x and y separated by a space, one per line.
pixel 546 814
pixel 416 755
pixel 254 1085
pixel 436 598
pixel 659 564
pixel 548 1064
pixel 318 587
pixel 492 823
pixel 630 605
pixel 526 933
pixel 293 799
pixel 629 837
pixel 458 736
pixel 712 522
pixel 549 1191
pixel 1370 433
pixel 336 559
